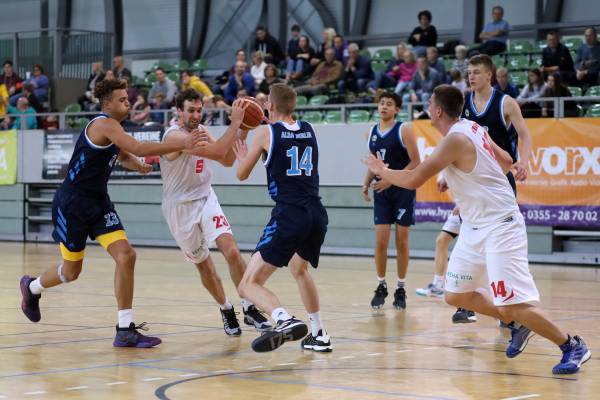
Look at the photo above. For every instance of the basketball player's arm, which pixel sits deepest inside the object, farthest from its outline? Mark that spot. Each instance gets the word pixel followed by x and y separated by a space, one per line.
pixel 446 152
pixel 502 156
pixel 248 158
pixel 514 116
pixel 229 158
pixel 133 163
pixel 410 143
pixel 368 179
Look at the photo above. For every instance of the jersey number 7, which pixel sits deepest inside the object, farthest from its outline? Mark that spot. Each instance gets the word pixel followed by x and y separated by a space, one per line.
pixel 305 162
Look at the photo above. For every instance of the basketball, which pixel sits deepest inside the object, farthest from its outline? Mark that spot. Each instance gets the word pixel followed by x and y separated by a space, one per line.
pixel 253 115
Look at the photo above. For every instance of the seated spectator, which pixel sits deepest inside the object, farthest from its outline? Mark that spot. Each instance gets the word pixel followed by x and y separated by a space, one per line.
pixel 158 103
pixel 191 81
pixel 424 35
pixel 327 73
pixel 222 80
pixel 422 84
pixel 10 79
pixel 435 62
pixel 240 80
pixel 534 89
pixel 458 81
pixel 163 85
pixel 140 111
pixel 3 102
pixel 109 74
pixel 22 107
pixel 119 68
pixel 494 35
pixel 292 45
pixel 212 110
pixel 388 78
pixel 40 84
pixel 587 63
pixel 28 93
pixel 328 39
pixel 556 57
pixel 299 62
pixel 132 92
pixel 357 73
pixel 405 72
pixel 460 63
pixel 341 48
pixel 556 88
pixel 258 67
pixel 96 76
pixel 268 45
pixel 504 84
pixel 271 77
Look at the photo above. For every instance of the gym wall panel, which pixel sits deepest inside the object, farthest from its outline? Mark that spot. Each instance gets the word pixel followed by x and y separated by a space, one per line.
pixel 88 15
pixel 150 24
pixel 392 16
pixel 516 12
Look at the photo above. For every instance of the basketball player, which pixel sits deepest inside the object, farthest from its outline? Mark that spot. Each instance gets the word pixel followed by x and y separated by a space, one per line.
pixel 82 208
pixel 493 240
pixel 193 212
pixel 392 205
pixel 298 224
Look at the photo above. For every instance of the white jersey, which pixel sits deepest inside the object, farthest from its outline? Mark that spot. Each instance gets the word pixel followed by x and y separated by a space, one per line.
pixel 483 195
pixel 186 178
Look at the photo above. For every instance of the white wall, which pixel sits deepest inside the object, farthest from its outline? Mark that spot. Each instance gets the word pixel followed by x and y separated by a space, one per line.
pixel 516 12
pixel 393 16
pixel 88 15
pixel 23 15
pixel 150 24
pixel 580 10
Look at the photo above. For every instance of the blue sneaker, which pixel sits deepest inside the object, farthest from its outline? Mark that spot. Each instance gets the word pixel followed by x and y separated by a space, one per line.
pixel 520 338
pixel 575 353
pixel 130 337
pixel 30 303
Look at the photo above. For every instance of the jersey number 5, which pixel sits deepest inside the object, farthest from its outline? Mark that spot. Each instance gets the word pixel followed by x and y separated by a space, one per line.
pixel 305 162
pixel 199 166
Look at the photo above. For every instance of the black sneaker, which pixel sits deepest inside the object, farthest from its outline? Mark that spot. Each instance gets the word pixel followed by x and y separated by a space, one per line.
pixel 255 318
pixel 285 331
pixel 30 303
pixel 321 343
pixel 464 316
pixel 380 295
pixel 230 322
pixel 130 337
pixel 400 299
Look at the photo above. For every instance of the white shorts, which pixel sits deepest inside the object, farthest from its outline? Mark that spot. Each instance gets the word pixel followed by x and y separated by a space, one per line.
pixel 452 225
pixel 496 253
pixel 195 225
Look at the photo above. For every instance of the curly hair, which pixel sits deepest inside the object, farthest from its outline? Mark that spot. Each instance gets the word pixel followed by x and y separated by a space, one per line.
pixel 188 94
pixel 104 89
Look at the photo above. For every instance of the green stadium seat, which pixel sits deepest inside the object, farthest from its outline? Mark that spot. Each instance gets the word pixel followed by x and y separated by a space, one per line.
pixel 199 65
pixel 573 43
pixel 318 100
pixel 72 108
pixel 333 117
pixel 150 78
pixel 499 60
pixel 375 116
pixel 520 47
pixel 181 65
pixel 402 115
pixel 378 66
pixel 541 44
pixel 357 116
pixel 365 53
pixel 174 76
pixel 314 117
pixel 593 111
pixel 383 55
pixel 301 100
pixel 593 91
pixel 519 79
pixel 576 91
pixel 536 61
pixel 448 64
pixel 80 123
pixel 518 63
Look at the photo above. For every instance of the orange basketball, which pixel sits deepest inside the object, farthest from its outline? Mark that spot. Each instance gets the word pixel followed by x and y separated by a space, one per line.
pixel 253 115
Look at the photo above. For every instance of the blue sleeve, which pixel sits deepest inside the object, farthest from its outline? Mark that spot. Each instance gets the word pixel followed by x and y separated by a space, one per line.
pixel 488 27
pixel 364 69
pixel 249 84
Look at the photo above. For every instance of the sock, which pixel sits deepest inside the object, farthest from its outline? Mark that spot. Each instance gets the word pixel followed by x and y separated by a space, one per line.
pixel 36 286
pixel 246 304
pixel 401 282
pixel 315 323
pixel 226 306
pixel 381 281
pixel 279 314
pixel 125 318
pixel 438 281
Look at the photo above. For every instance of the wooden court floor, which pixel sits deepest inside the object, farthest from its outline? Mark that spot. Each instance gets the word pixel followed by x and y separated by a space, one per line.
pixel 415 354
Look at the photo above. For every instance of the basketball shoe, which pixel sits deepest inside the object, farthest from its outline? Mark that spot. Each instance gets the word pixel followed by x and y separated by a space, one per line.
pixel 30 303
pixel 380 295
pixel 575 354
pixel 231 326
pixel 464 316
pixel 400 299
pixel 130 337
pixel 254 317
pixel 285 331
pixel 520 336
pixel 320 343
pixel 431 291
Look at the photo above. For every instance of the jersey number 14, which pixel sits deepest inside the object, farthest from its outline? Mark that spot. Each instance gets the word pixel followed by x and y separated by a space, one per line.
pixel 304 163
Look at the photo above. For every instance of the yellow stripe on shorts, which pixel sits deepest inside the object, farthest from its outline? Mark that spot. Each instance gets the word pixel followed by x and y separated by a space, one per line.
pixel 71 255
pixel 109 238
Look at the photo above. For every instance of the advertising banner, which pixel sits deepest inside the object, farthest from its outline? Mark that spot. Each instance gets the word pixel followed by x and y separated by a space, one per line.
pixel 8 157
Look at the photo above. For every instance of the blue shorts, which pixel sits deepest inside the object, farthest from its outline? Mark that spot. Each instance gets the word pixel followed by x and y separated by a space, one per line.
pixel 76 217
pixel 394 205
pixel 294 229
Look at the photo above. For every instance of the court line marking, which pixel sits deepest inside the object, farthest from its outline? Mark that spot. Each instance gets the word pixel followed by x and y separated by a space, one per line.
pixel 77 388
pixel 346 357
pixel 115 383
pixel 318 360
pixel 431 348
pixel 35 393
pixel 286 364
pixel 189 375
pixel 157 378
pixel 403 351
pixel 255 367
pixel 526 396
pixel 374 354
pixel 224 371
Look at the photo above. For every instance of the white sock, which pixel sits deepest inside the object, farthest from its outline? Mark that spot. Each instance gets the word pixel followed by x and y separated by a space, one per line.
pixel 438 281
pixel 226 306
pixel 279 314
pixel 401 282
pixel 315 323
pixel 246 304
pixel 125 318
pixel 381 280
pixel 36 286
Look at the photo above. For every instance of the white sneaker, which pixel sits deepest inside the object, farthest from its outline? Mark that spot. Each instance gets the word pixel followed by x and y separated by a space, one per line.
pixel 431 291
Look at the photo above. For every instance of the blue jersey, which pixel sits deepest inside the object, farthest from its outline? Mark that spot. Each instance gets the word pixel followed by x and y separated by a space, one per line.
pixel 90 165
pixel 293 163
pixel 390 145
pixel 492 119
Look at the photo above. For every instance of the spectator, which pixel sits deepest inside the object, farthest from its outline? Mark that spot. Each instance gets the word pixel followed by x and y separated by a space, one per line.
pixel 3 100
pixel 22 107
pixel 158 103
pixel 268 45
pixel 461 63
pixel 240 80
pixel 271 77
pixel 424 35
pixel 132 92
pixel 341 49
pixel 494 35
pixel 212 106
pixel 556 57
pixel 191 81
pixel 299 62
pixel 328 72
pixel 119 68
pixel 328 38
pixel 292 46
pixel 96 76
pixel 387 78
pixel 140 111
pixel 222 80
pixel 587 63
pixel 405 73
pixel 163 85
pixel 10 79
pixel 28 93
pixel 534 89
pixel 258 67
pixel 422 84
pixel 40 84
pixel 357 73
pixel 504 84
pixel 458 80
pixel 436 63
pixel 556 88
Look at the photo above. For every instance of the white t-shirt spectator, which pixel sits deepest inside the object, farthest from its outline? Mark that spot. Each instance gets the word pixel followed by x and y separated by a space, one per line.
pixel 258 72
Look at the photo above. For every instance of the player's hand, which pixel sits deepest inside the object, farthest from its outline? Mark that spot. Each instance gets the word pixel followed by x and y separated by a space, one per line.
pixel 238 108
pixel 242 134
pixel 204 136
pixel 194 140
pixel 442 185
pixel 144 168
pixel 455 211
pixel 365 193
pixel 380 185
pixel 375 164
pixel 520 171
pixel 240 148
